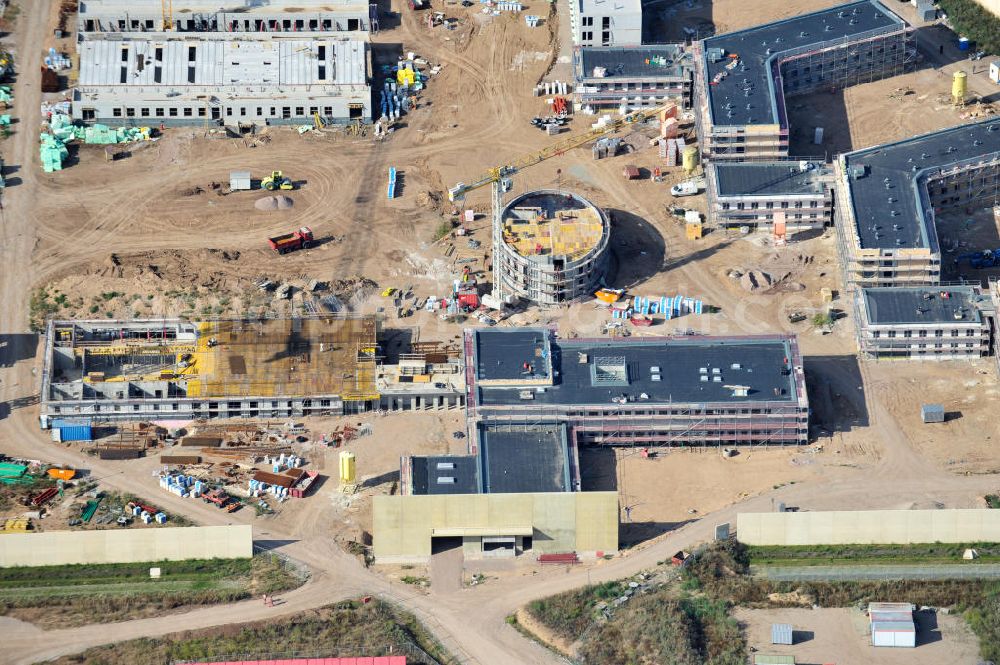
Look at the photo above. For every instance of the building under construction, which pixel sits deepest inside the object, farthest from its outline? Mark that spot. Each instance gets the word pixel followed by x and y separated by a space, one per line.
pixel 555 247
pixel 677 391
pixel 742 78
pixel 784 196
pixel 929 322
pixel 889 196
pixel 96 17
pixel 222 79
pixel 180 370
pixel 609 77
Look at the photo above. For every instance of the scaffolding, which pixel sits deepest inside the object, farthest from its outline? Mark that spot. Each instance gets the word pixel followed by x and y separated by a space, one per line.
pixel 553 248
pixel 829 65
pixel 957 339
pixel 672 423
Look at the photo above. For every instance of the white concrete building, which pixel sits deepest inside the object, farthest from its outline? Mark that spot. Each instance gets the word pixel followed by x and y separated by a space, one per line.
pixel 303 17
pixel 222 79
pixel 606 22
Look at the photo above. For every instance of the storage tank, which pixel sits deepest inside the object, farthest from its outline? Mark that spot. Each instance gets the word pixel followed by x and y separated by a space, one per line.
pixel 958 86
pixel 348 472
pixel 689 158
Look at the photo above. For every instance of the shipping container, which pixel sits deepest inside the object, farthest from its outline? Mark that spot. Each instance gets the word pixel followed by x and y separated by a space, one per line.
pixel 75 433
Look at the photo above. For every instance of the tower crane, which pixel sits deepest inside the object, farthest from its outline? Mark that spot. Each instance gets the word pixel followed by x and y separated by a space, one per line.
pixel 499 177
pixel 168 14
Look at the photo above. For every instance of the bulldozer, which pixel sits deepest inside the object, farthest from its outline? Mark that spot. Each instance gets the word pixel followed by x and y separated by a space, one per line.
pixel 276 181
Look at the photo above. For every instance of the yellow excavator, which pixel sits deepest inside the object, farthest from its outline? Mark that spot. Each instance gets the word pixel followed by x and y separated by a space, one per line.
pixel 276 181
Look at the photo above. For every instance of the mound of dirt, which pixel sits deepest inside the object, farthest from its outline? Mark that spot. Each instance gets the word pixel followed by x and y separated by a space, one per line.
pixel 274 203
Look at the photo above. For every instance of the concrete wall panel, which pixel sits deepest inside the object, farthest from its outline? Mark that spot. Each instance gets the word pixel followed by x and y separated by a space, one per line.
pixel 54 548
pixel 869 526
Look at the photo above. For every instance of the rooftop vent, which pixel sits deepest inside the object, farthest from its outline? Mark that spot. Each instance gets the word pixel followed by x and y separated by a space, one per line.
pixel 446 480
pixel 739 391
pixel 735 366
pixel 445 465
pixel 609 371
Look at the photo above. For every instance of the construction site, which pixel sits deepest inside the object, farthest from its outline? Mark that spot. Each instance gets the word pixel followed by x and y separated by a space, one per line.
pixel 555 247
pixel 580 324
pixel 142 370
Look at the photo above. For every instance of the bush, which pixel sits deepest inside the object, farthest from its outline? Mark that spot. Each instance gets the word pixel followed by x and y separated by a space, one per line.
pixel 973 21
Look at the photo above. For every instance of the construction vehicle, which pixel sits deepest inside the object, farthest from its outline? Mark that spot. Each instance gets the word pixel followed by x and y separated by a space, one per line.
pixel 499 178
pixel 987 258
pixel 276 181
pixel 289 242
pixel 218 497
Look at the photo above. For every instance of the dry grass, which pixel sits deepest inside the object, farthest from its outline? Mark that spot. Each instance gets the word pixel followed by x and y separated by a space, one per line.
pixel 345 629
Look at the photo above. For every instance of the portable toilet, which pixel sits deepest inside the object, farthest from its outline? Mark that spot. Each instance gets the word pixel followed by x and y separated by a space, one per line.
pixel 995 71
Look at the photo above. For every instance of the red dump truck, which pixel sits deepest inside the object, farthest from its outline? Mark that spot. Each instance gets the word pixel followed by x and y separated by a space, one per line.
pixel 301 239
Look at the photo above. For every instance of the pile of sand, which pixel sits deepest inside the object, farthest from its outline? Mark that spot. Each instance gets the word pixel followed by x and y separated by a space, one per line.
pixel 274 203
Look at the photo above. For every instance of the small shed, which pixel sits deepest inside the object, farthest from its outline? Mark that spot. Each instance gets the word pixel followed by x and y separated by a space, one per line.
pixel 995 71
pixel 932 413
pixel 781 633
pixel 239 181
pixel 892 625
pixel 631 172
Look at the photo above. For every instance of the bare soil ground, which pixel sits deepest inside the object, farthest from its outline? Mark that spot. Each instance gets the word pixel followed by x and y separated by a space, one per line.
pixel 840 635
pixel 149 236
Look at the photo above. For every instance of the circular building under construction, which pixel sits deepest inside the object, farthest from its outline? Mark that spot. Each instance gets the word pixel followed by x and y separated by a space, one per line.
pixel 554 249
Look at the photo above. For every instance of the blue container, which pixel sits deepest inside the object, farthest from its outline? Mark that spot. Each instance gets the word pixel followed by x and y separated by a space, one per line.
pixel 963 43
pixel 75 433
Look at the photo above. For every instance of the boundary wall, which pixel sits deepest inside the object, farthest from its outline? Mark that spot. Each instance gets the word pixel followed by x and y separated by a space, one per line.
pixel 57 548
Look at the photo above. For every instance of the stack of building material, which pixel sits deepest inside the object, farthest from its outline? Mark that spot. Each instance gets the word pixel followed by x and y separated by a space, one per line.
pixel 671 152
pixel 392 182
pixel 11 474
pixel 52 151
pixel 98 134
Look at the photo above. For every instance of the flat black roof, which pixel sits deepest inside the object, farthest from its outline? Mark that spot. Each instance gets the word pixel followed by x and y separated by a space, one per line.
pixel 888 200
pixel 931 304
pixel 458 471
pixel 750 83
pixel 660 61
pixel 768 178
pixel 665 370
pixel 501 354
pixel 524 459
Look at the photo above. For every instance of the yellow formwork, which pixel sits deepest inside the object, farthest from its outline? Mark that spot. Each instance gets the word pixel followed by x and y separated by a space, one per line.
pixel 285 357
pixel 570 234
pixel 269 358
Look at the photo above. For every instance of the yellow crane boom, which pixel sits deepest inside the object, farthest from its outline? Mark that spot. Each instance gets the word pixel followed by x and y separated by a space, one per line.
pixel 496 175
pixel 457 193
